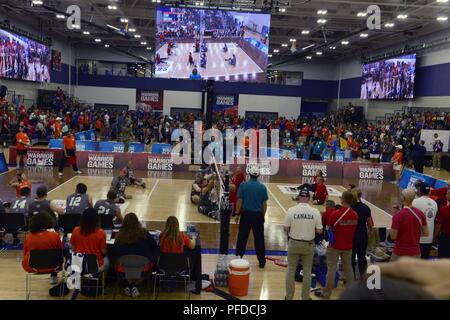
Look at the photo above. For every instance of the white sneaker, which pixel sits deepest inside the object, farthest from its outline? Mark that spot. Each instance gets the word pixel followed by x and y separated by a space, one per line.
pixel 438 169
pixel 135 292
pixel 53 280
pixel 78 172
pixel 127 291
pixel 60 174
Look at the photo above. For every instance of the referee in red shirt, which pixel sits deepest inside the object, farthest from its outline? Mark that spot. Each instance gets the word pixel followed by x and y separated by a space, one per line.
pixel 343 222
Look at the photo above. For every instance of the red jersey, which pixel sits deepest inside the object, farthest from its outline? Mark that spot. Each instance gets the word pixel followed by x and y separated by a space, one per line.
pixel 321 193
pixel 236 181
pixel 167 247
pixel 22 140
pixel 21 185
pixel 344 230
pixel 443 218
pixel 409 230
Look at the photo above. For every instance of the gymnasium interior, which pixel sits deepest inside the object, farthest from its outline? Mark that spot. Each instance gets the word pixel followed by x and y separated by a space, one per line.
pixel 97 98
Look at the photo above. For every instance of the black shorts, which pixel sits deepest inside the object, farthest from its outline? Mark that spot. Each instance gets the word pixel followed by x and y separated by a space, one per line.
pixel 70 152
pixel 21 152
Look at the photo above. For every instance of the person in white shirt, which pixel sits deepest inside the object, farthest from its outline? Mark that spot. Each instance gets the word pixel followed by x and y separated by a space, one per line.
pixel 301 224
pixel 429 207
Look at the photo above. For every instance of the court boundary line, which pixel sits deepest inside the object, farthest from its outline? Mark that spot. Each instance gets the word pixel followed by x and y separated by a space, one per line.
pixel 60 185
pixel 276 200
pixel 14 169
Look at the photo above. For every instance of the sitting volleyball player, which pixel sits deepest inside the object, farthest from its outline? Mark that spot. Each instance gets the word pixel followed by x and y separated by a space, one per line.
pixel 209 198
pixel 79 201
pixel 119 184
pixel 132 180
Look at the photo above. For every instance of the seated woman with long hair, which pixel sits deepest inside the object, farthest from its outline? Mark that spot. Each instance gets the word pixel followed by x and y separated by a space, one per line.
pixel 89 238
pixel 172 240
pixel 133 239
pixel 40 237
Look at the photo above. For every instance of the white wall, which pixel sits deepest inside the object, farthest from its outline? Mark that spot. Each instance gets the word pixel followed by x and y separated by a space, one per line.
pixel 105 95
pixel 288 107
pixel 99 52
pixel 181 99
pixel 312 70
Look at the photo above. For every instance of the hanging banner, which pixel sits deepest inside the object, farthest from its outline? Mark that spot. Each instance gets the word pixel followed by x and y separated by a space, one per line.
pixel 147 100
pixel 226 105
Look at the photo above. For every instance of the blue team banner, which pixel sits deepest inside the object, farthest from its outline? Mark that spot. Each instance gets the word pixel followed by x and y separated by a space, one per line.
pixel 110 146
pixel 84 145
pixel 161 148
pixel 90 135
pixel 136 147
pixel 80 135
pixel 3 164
pixel 55 144
pixel 440 184
pixel 410 177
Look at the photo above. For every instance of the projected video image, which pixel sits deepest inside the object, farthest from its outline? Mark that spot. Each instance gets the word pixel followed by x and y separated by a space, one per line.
pixel 389 79
pixel 23 59
pixel 219 44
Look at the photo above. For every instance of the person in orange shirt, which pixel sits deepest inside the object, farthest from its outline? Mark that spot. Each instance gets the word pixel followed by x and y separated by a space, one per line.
pixel 172 240
pixel 397 160
pixel 22 142
pixel 58 128
pixel 69 153
pixel 41 237
pixel 20 182
pixel 89 238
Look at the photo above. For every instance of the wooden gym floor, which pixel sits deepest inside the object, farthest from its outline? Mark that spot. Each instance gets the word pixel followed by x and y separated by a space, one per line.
pixel 168 194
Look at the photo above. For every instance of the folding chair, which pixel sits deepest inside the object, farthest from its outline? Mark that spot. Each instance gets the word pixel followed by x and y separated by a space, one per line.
pixel 133 265
pixel 174 267
pixel 44 259
pixel 12 223
pixel 92 273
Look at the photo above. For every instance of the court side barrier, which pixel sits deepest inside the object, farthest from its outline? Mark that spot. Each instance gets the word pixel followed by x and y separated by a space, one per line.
pixel 164 163
pixel 410 177
pixel 104 146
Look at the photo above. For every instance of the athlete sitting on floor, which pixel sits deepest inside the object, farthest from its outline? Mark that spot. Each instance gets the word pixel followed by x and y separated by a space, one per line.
pixel 119 184
pixel 132 180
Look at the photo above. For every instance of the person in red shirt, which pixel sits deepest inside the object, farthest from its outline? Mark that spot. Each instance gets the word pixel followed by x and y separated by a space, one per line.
pixel 172 240
pixel 20 182
pixel 22 142
pixel 237 178
pixel 343 222
pixel 442 231
pixel 89 238
pixel 408 225
pixel 321 193
pixel 190 58
pixel 440 195
pixel 69 152
pixel 40 237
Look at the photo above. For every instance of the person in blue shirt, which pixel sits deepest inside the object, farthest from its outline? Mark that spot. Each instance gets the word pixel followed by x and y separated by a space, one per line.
pixel 195 75
pixel 300 148
pixel 251 206
pixel 318 149
pixel 333 148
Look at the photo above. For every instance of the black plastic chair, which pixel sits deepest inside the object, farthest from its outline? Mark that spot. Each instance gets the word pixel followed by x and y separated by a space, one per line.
pixel 68 222
pixel 173 267
pixel 133 266
pixel 91 272
pixel 12 223
pixel 44 259
pixel 107 221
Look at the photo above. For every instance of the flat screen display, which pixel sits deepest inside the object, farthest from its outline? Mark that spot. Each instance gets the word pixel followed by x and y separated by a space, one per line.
pixel 389 79
pixel 220 45
pixel 23 59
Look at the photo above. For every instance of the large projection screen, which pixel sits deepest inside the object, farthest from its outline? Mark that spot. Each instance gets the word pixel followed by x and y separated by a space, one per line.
pixel 389 79
pixel 224 45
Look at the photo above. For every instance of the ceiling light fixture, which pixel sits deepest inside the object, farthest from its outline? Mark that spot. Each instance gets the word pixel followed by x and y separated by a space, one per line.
pixel 37 2
pixel 143 43
pixel 319 53
pixel 137 36
pixel 363 35
pixel 149 48
pixel 86 33
pixel 98 40
pixel 305 31
pixel 402 16
pixel 60 16
pixel 322 21
pixel 292 40
pixel 323 12
pixel 106 45
pixel 284 45
pixel 282 9
pixel 332 48
pixel 308 57
pixel 276 51
pixel 124 20
pixel 345 42
pixel 442 18
pixel 132 30
pixel 361 14
pixel 111 7
pixel 389 25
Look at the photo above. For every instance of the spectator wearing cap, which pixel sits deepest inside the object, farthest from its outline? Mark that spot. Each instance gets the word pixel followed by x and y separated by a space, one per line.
pixel 252 206
pixel 343 222
pixel 397 161
pixel 418 156
pixel 429 207
pixel 442 231
pixel 301 224
pixel 408 225
pixel 437 152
